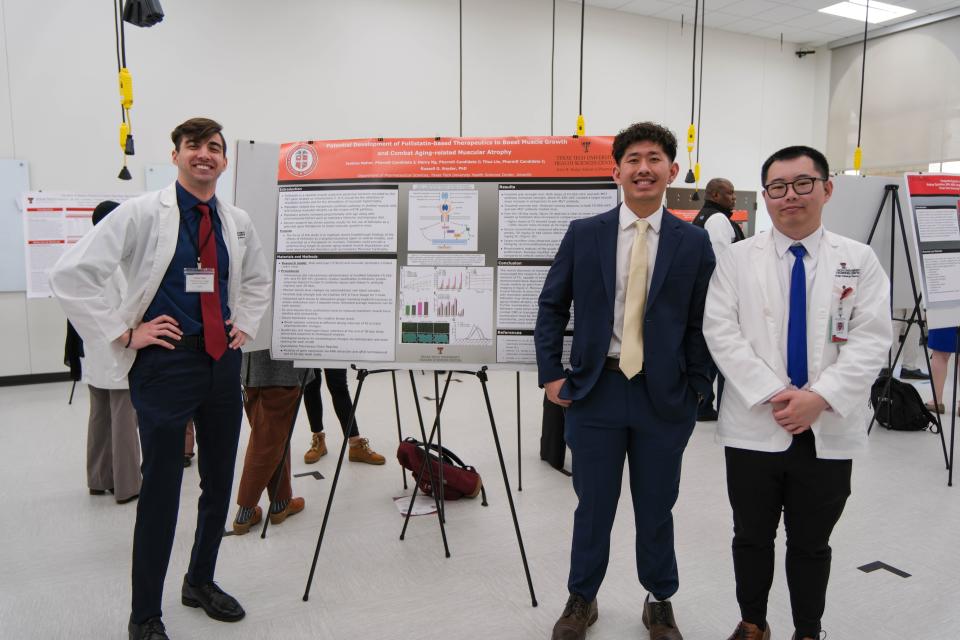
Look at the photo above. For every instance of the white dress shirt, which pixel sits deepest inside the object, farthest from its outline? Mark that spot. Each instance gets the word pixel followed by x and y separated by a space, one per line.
pixel 782 245
pixel 720 229
pixel 625 237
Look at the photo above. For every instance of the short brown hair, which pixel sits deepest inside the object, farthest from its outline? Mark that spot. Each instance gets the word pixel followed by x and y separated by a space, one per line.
pixel 197 129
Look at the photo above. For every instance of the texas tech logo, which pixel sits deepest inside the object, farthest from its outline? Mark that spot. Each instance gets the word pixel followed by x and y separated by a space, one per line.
pixel 301 160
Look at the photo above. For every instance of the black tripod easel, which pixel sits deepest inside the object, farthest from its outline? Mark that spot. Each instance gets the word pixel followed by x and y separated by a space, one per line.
pixel 891 194
pixel 435 431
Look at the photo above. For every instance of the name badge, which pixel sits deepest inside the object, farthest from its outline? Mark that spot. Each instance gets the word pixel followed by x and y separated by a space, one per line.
pixel 199 280
pixel 838 328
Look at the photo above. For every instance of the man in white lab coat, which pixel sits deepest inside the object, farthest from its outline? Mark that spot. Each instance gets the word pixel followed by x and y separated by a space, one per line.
pixel 197 287
pixel 798 321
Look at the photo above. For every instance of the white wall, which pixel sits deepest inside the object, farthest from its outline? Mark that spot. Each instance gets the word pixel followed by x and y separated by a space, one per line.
pixel 911 106
pixel 308 69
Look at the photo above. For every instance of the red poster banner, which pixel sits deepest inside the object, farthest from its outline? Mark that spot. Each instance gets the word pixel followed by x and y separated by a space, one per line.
pixel 739 215
pixel 512 157
pixel 933 184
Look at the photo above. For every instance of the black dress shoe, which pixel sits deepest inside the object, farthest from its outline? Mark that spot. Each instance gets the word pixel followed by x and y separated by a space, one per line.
pixel 152 629
pixel 913 374
pixel 130 499
pixel 218 605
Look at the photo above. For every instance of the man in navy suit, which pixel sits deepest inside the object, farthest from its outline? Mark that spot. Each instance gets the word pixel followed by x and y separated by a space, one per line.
pixel 639 364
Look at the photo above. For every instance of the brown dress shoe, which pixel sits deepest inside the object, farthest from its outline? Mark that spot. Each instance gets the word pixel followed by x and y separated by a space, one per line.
pixel 318 448
pixel 361 452
pixel 576 617
pixel 294 506
pixel 748 631
pixel 658 618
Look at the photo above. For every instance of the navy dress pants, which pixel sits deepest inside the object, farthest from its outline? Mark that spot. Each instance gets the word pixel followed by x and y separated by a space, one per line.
pixel 168 387
pixel 613 423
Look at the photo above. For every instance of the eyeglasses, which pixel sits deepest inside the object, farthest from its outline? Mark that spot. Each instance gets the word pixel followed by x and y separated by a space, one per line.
pixel 801 187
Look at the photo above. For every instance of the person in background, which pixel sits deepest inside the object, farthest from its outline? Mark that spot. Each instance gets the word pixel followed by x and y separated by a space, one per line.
pixel 113 446
pixel 942 343
pixel 911 359
pixel 359 449
pixel 272 399
pixel 716 217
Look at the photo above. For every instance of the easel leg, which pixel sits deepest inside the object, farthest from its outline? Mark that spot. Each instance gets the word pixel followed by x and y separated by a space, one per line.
pixel 73 388
pixel 396 407
pixel 953 400
pixel 361 376
pixel 426 466
pixel 923 330
pixel 519 445
pixel 436 427
pixel 482 375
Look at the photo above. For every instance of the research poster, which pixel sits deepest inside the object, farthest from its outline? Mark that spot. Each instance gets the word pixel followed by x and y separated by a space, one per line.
pixel 52 223
pixel 425 252
pixel 934 207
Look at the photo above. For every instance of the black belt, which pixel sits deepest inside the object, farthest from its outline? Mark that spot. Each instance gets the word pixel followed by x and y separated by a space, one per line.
pixel 190 343
pixel 613 364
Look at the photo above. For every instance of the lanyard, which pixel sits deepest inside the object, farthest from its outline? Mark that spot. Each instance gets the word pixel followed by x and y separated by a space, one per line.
pixel 195 240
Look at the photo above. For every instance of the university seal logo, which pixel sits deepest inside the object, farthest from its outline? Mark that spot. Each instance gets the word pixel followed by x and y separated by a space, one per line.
pixel 301 160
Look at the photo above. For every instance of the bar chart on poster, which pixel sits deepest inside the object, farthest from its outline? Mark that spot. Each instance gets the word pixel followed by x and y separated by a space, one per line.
pixel 425 253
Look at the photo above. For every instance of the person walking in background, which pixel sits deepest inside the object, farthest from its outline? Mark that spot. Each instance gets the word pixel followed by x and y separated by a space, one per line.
pixel 942 343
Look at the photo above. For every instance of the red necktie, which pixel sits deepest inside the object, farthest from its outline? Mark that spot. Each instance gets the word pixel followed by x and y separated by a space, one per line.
pixel 214 335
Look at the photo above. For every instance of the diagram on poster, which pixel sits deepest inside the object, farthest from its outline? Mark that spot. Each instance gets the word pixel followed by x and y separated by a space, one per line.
pixel 446 306
pixel 443 219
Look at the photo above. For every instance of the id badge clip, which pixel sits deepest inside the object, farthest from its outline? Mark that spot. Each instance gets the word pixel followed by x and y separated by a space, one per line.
pixel 199 280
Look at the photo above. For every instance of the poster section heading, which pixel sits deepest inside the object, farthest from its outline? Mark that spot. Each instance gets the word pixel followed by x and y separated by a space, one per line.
pixel 551 157
pixel 935 208
pixel 52 223
pixel 391 266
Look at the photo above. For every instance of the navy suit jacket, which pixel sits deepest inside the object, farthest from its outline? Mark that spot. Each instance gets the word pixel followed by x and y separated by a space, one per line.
pixel 675 355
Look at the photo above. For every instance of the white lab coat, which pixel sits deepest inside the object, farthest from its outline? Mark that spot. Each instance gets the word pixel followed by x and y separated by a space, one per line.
pixel 140 237
pixel 98 366
pixel 744 329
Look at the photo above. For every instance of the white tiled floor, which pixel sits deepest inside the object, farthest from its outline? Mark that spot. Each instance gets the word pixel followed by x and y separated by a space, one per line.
pixel 65 555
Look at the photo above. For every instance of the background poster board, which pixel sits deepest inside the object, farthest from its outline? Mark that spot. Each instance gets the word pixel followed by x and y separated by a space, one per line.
pixel 934 214
pixel 851 212
pixel 14 181
pixel 53 222
pixel 425 253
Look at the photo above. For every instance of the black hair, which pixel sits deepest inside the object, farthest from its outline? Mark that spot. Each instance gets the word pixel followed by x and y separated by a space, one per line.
pixel 645 132
pixel 103 209
pixel 798 151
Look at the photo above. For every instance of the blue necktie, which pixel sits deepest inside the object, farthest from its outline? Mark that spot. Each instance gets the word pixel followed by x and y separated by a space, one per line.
pixel 797 326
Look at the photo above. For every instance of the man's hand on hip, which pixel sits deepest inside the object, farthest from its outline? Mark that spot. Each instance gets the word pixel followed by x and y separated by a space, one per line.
pixel 553 392
pixel 149 333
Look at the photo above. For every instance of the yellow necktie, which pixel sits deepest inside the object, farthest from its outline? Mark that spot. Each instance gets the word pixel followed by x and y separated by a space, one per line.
pixel 631 344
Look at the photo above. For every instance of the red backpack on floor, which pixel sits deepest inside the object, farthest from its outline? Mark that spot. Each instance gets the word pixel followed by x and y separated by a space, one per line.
pixel 459 480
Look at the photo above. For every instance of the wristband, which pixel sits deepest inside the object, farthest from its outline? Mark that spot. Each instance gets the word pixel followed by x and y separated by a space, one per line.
pixel 129 339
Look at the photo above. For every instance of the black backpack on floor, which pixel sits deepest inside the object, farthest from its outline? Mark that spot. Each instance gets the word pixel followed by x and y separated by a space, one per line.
pixel 899 407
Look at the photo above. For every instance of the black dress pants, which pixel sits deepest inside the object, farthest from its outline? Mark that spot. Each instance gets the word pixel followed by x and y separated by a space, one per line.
pixel 342 402
pixel 811 493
